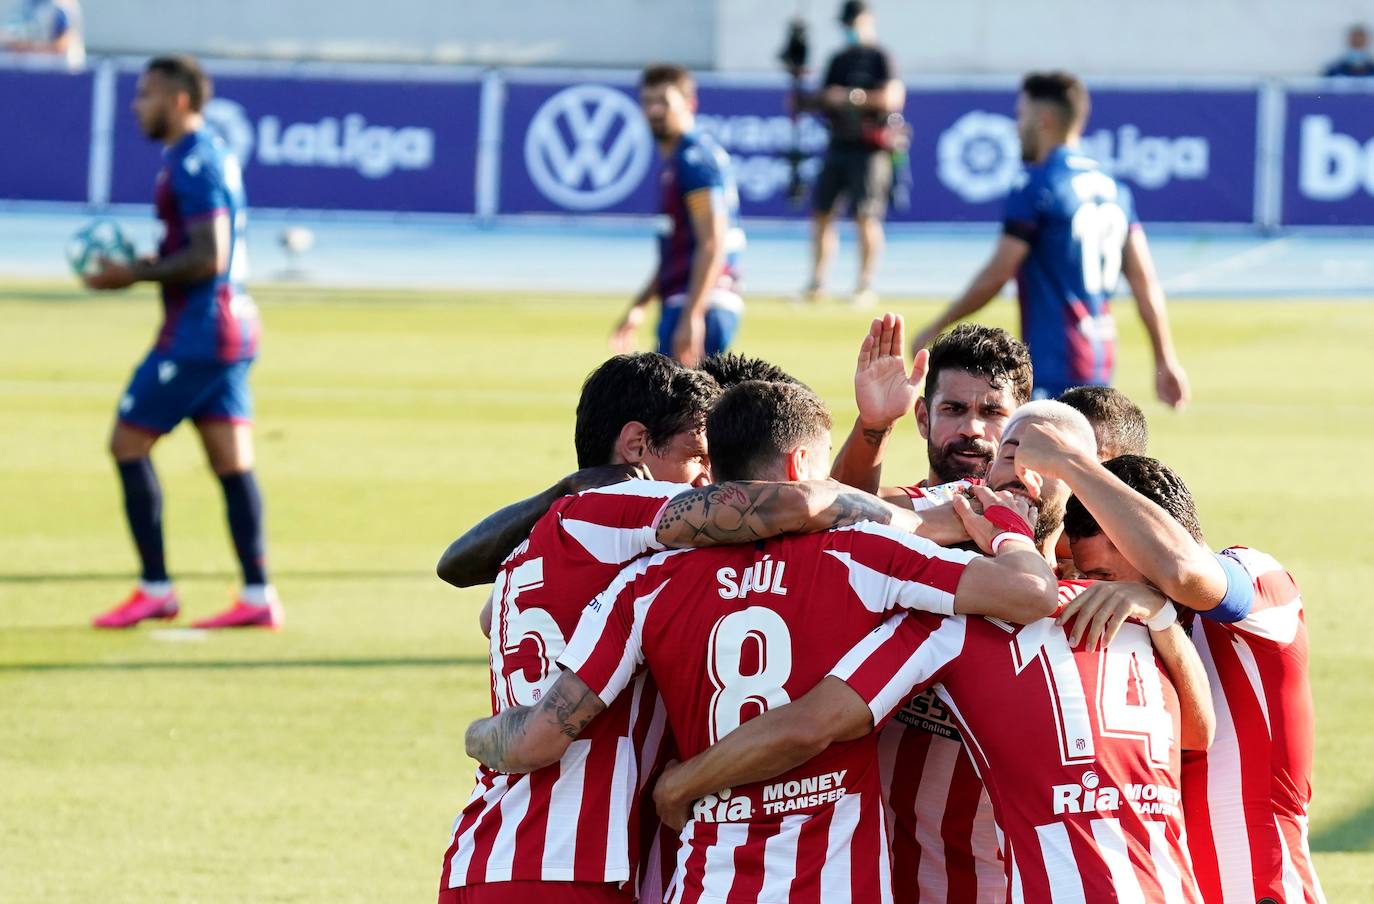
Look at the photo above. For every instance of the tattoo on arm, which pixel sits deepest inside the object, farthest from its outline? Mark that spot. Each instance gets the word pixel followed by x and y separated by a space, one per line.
pixel 852 506
pixel 488 740
pixel 744 512
pixel 570 711
pixel 525 737
pixel 876 436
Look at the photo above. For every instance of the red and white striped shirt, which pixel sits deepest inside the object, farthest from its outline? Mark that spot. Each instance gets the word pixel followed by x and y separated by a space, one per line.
pixel 1078 749
pixel 578 819
pixel 939 815
pixel 1246 797
pixel 728 633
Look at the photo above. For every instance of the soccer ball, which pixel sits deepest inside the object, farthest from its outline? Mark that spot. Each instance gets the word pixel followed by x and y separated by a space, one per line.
pixel 97 240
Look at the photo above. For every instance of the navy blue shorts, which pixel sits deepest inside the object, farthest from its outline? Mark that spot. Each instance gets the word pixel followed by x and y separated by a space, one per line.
pixel 722 323
pixel 163 392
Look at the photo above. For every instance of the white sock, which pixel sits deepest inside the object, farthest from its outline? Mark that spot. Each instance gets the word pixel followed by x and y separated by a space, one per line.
pixel 155 588
pixel 256 594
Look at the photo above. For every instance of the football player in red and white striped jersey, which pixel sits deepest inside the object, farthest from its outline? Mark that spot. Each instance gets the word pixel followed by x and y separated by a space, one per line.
pixel 760 623
pixel 939 816
pixel 1246 798
pixel 1026 751
pixel 1083 771
pixel 572 829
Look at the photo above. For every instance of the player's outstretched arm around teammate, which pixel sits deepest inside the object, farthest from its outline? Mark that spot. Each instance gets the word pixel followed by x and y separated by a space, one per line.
pixel 885 393
pixel 1150 539
pixel 1137 265
pixel 773 743
pixel 476 556
pixel 1007 257
pixel 748 511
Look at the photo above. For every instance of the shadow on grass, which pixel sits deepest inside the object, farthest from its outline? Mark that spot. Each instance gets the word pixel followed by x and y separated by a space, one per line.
pixel 297 574
pixel 1354 834
pixel 395 662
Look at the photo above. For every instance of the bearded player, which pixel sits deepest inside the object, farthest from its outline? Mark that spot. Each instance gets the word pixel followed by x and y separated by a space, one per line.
pixel 198 367
pixel 962 392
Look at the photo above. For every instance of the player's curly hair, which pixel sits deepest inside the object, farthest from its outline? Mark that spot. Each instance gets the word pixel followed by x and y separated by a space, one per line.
pixel 1118 422
pixel 652 389
pixel 1150 478
pixel 730 369
pixel 755 423
pixel 989 352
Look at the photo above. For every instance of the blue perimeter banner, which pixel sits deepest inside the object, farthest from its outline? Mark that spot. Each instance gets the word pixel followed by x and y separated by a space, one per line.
pixel 326 143
pixel 46 150
pixel 582 147
pixel 1328 157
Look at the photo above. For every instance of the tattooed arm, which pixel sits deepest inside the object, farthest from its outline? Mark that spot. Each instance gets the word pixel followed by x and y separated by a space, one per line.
pixel 748 510
pixel 526 738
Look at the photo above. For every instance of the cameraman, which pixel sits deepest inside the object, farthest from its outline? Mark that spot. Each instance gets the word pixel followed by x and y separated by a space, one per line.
pixel 860 92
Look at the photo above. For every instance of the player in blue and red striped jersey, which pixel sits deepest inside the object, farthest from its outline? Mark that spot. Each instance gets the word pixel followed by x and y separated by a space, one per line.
pixel 1069 233
pixel 198 366
pixel 697 277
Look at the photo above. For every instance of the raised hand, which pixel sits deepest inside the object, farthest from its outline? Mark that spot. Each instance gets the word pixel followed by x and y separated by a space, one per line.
pixel 884 390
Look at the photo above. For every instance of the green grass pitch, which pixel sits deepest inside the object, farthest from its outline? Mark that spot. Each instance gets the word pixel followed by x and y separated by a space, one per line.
pixel 325 763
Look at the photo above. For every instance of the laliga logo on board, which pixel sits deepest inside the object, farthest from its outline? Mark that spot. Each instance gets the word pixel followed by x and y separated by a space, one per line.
pixel 1332 166
pixel 587 147
pixel 230 120
pixel 375 152
pixel 1151 161
pixel 979 156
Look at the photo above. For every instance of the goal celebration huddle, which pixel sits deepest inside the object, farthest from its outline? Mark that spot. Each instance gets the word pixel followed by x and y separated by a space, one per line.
pixel 728 665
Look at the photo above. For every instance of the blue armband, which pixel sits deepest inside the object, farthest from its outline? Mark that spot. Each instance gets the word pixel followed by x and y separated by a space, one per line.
pixel 1240 593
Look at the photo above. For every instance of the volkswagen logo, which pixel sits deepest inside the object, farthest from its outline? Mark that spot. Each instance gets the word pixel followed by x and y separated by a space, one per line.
pixel 588 147
pixel 980 156
pixel 230 121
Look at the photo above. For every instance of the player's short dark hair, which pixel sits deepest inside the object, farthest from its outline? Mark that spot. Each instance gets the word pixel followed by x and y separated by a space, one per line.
pixel 730 369
pixel 653 389
pixel 1064 91
pixel 755 423
pixel 183 70
pixel 1118 422
pixel 657 74
pixel 1150 478
pixel 987 351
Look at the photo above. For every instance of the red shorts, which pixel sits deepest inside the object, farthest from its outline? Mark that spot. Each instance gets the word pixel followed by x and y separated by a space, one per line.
pixel 537 893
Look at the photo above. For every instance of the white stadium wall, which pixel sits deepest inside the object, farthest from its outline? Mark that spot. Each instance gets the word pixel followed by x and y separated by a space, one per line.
pixel 1184 38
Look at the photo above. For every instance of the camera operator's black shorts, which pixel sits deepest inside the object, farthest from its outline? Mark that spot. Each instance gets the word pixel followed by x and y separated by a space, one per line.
pixel 863 175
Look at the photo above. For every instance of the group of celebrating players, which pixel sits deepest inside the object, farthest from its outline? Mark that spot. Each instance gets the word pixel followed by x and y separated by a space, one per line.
pixel 726 669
